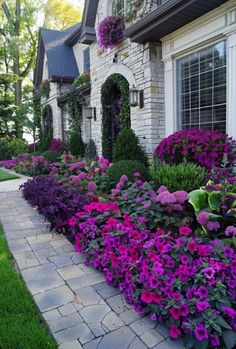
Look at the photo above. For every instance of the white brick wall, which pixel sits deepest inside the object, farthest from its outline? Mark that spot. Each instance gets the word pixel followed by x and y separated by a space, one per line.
pixel 141 65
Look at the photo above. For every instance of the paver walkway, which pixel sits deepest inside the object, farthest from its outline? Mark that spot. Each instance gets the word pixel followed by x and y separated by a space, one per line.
pixel 80 309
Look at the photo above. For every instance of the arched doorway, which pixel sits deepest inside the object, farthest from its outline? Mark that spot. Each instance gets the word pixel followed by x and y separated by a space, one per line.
pixel 115 111
pixel 47 120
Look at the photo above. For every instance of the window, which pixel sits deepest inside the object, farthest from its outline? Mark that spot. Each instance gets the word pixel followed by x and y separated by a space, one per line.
pixel 201 89
pixel 86 56
pixel 118 8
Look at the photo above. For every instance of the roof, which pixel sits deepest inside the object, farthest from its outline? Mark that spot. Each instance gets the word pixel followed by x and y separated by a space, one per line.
pixel 169 16
pixel 60 57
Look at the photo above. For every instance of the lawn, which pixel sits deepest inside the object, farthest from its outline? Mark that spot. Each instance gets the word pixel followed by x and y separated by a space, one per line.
pixel 21 326
pixel 5 176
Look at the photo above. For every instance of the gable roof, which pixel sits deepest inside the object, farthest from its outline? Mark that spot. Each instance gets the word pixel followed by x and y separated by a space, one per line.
pixel 60 57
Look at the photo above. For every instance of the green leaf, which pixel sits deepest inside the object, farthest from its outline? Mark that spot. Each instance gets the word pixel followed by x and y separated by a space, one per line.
pixel 203 344
pixel 214 200
pixel 198 199
pixel 229 339
pixel 189 342
pixel 220 321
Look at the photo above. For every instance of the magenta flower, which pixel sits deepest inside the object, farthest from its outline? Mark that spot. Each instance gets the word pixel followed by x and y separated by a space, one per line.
pixel 202 292
pixel 175 332
pixel 185 231
pixel 175 313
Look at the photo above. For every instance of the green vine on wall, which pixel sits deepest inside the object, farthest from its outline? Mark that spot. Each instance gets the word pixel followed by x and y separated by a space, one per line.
pixel 119 82
pixel 75 110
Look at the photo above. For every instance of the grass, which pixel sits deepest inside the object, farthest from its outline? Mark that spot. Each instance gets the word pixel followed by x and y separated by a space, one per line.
pixel 5 176
pixel 21 326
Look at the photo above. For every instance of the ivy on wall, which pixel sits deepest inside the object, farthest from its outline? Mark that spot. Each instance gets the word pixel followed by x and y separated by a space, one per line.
pixel 118 82
pixel 75 109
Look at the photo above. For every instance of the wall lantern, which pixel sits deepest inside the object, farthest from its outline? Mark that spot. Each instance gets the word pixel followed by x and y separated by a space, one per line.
pixel 136 98
pixel 90 112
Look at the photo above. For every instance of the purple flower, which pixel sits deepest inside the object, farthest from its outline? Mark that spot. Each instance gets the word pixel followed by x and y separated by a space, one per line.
pixel 213 225
pixel 215 341
pixel 202 292
pixel 209 273
pixel 230 231
pixel 184 259
pixel 228 252
pixel 136 174
pixel 202 217
pixel 92 186
pixel 201 332
pixel 202 306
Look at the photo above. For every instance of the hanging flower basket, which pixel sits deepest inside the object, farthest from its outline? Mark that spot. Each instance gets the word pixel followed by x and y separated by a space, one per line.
pixel 111 32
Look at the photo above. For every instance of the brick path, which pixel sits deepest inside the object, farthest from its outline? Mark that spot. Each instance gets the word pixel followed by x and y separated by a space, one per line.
pixel 80 309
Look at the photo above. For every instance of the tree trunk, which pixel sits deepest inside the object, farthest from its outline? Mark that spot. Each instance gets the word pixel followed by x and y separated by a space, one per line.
pixel 18 84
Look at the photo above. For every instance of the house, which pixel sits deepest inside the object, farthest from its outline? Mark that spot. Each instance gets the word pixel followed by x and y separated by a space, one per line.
pixel 178 61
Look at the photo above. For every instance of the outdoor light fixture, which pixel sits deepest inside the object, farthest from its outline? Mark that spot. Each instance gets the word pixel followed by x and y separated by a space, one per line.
pixel 136 98
pixel 90 112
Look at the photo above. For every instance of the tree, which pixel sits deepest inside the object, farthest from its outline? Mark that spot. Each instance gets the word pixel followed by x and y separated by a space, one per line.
pixel 19 37
pixel 62 14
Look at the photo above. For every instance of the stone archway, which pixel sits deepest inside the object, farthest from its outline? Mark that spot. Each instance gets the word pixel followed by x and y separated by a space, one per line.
pixel 115 111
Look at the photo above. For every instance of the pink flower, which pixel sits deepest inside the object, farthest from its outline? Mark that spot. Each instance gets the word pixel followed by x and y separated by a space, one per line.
pixel 166 198
pixel 185 231
pixel 162 189
pixel 175 332
pixel 181 196
pixel 230 231
pixel 147 297
pixel 175 313
pixel 202 217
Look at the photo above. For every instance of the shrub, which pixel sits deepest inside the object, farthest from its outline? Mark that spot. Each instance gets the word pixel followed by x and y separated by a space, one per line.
pixel 185 176
pixel 206 148
pixel 76 144
pixel 5 152
pixel 127 147
pixel 57 145
pixel 17 146
pixel 51 156
pixel 82 79
pixel 53 200
pixel 46 141
pixel 90 150
pixel 128 168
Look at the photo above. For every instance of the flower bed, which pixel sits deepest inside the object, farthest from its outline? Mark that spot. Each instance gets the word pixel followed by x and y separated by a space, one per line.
pixel 184 281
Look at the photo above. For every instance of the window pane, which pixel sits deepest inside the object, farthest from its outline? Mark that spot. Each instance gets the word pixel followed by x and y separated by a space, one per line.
pixel 202 89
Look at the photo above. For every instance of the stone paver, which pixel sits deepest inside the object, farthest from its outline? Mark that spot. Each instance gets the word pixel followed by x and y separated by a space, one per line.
pixel 81 310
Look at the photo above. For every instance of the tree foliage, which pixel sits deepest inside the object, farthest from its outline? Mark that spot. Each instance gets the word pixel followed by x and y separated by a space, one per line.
pixel 62 14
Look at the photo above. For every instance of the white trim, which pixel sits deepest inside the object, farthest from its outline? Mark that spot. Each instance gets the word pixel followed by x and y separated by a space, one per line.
pixel 123 70
pixel 231 100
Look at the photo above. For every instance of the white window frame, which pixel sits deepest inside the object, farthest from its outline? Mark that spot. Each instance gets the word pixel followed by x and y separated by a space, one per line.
pixel 175 78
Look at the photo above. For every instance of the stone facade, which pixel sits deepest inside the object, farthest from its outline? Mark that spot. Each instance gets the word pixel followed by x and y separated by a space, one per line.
pixel 141 65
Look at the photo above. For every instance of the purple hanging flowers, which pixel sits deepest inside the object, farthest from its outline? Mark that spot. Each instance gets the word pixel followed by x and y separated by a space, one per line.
pixel 111 32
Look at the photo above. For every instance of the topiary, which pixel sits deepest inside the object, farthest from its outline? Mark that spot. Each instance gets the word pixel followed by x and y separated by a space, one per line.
pixel 127 147
pixel 5 152
pixel 76 144
pixel 128 168
pixel 185 176
pixel 51 155
pixel 90 150
pixel 47 139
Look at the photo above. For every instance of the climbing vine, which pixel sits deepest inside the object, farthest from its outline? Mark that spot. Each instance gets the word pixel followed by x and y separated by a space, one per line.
pixel 75 102
pixel 118 109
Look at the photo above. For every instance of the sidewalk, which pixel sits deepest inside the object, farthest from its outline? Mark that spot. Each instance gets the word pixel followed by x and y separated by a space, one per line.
pixel 80 309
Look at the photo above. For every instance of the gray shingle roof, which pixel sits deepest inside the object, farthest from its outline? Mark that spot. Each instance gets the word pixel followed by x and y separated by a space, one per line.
pixel 61 59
